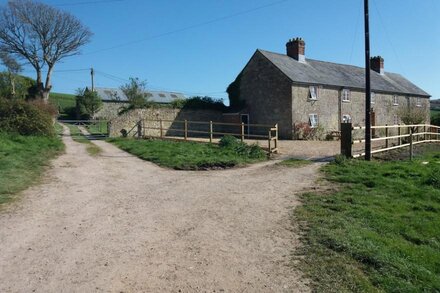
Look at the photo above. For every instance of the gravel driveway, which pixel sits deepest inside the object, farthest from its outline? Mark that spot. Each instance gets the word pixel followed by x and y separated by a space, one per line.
pixel 115 223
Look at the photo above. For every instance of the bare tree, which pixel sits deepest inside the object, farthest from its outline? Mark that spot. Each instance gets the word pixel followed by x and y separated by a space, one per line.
pixel 42 35
pixel 13 68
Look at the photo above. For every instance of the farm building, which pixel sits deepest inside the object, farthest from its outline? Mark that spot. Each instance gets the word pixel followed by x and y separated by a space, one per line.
pixel 114 100
pixel 291 90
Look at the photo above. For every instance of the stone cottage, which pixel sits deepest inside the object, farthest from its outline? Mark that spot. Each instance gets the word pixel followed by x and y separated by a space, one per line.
pixel 290 89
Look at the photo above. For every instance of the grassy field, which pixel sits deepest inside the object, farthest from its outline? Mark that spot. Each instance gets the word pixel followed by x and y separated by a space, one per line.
pixel 77 136
pixel 64 102
pixel 376 230
pixel 22 160
pixel 99 127
pixel 188 155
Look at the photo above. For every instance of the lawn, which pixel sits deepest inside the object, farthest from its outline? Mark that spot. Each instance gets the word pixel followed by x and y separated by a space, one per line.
pixel 377 230
pixel 77 136
pixel 22 161
pixel 98 128
pixel 65 103
pixel 190 155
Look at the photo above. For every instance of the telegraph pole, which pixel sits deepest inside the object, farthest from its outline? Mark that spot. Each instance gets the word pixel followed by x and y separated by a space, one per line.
pixel 367 85
pixel 92 73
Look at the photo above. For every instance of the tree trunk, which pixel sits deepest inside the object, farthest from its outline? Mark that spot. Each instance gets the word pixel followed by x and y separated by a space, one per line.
pixel 40 87
pixel 48 86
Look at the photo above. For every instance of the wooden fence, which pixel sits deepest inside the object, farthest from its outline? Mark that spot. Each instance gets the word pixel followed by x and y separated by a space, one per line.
pixel 206 131
pixel 386 138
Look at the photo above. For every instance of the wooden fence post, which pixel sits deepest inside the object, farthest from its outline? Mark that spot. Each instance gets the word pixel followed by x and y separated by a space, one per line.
pixel 139 129
pixel 346 140
pixel 269 141
pixel 186 129
pixel 161 128
pixel 399 140
pixel 242 131
pixel 276 136
pixel 386 135
pixel 411 151
pixel 210 131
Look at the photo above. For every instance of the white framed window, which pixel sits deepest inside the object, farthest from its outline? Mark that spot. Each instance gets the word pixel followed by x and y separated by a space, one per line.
pixel 314 92
pixel 373 98
pixel 418 102
pixel 395 100
pixel 346 118
pixel 346 95
pixel 313 120
pixel 396 119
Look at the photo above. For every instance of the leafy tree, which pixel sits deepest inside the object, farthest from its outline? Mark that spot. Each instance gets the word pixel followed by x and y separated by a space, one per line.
pixel 13 68
pixel 136 93
pixel 412 115
pixel 41 35
pixel 88 103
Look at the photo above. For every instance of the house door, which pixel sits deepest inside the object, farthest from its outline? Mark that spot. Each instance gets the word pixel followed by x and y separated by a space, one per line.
pixel 245 119
pixel 373 122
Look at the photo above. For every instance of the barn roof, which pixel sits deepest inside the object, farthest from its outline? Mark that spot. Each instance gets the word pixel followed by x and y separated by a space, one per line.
pixel 333 74
pixel 116 94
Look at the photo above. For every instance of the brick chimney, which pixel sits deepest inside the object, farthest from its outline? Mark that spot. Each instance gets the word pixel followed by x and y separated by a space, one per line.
pixel 296 48
pixel 376 64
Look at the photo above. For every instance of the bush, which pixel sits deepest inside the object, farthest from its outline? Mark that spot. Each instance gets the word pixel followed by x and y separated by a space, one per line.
pixel 253 151
pixel 199 103
pixel 434 178
pixel 304 131
pixel 87 103
pixel 26 118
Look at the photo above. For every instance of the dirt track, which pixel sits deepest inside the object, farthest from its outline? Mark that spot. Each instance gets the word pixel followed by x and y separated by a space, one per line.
pixel 114 223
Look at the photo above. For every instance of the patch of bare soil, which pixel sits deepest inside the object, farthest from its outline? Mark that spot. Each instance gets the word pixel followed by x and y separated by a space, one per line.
pixel 115 223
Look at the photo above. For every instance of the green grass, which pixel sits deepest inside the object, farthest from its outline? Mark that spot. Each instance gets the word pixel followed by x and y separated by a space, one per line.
pixel 77 136
pixel 22 161
pixel 64 102
pixel 187 155
pixel 379 232
pixel 294 163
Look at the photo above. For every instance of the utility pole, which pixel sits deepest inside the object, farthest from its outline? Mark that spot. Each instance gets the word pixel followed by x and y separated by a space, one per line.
pixel 367 85
pixel 92 73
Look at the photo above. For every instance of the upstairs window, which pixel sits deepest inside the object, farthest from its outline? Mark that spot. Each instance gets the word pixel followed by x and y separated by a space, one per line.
pixel 314 92
pixel 395 100
pixel 418 102
pixel 313 120
pixel 373 98
pixel 346 95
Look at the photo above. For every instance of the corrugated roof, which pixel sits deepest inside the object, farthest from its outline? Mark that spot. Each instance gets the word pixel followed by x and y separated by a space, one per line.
pixel 116 94
pixel 327 73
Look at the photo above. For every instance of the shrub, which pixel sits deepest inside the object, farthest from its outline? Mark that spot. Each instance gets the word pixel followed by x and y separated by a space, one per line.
pixel 199 103
pixel 87 103
pixel 26 118
pixel 304 131
pixel 253 151
pixel 434 177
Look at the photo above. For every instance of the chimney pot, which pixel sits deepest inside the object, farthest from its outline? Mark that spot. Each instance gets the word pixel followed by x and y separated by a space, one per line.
pixel 296 49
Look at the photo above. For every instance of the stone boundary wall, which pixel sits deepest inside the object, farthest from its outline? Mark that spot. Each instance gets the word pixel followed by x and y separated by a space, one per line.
pixel 129 120
pixel 110 110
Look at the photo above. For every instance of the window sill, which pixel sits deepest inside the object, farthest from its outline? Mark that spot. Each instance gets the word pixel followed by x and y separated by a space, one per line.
pixel 346 101
pixel 395 104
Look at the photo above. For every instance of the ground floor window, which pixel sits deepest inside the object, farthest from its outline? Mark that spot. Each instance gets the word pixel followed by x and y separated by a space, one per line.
pixel 418 102
pixel 313 120
pixel 396 120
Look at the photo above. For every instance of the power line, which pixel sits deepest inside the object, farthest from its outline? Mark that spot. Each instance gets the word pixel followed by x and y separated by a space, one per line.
pixel 219 19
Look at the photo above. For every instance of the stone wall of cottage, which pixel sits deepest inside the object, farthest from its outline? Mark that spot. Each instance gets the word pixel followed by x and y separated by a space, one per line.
pixel 170 120
pixel 330 108
pixel 267 93
pixel 110 110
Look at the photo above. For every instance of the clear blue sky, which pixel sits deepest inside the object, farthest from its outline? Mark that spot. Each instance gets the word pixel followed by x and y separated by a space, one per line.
pixel 199 47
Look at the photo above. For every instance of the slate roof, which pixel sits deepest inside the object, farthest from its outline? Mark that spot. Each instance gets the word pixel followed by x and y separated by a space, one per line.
pixel 333 74
pixel 116 94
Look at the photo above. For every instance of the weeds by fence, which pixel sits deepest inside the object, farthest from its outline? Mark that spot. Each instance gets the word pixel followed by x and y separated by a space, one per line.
pixel 209 131
pixel 386 138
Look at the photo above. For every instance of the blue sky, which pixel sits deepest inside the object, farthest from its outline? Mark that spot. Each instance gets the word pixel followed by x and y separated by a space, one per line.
pixel 198 47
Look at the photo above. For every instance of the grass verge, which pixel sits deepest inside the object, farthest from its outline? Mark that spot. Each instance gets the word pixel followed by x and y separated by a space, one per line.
pixel 98 128
pixel 379 232
pixel 77 136
pixel 189 155
pixel 294 163
pixel 22 161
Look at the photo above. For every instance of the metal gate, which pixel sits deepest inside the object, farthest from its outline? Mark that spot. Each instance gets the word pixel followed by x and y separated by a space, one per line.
pixel 91 129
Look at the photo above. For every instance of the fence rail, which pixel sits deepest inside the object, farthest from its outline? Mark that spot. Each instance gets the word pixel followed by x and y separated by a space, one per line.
pixel 391 137
pixel 210 130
